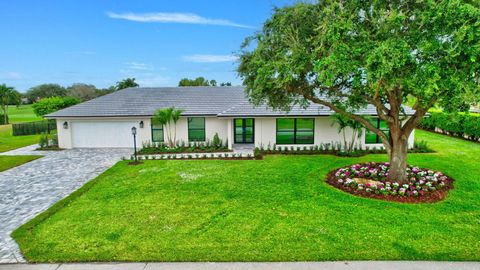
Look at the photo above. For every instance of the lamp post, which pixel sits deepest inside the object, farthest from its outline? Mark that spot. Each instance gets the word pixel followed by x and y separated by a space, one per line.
pixel 134 133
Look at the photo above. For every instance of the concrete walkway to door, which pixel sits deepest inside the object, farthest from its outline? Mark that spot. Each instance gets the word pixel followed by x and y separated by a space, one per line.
pixel 29 189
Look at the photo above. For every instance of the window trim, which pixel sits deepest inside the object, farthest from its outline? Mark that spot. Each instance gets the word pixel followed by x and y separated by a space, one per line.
pixel 294 131
pixel 152 129
pixel 204 131
pixel 377 138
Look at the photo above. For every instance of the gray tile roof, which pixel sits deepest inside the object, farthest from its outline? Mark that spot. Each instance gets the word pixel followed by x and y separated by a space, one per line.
pixel 215 101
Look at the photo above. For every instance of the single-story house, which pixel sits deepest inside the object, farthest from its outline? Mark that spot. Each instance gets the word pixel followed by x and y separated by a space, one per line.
pixel 107 121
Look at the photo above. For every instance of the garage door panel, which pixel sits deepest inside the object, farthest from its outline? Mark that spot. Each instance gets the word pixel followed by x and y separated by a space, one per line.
pixel 102 134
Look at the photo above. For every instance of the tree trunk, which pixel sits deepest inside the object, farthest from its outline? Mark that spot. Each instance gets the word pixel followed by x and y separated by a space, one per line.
pixel 5 117
pixel 398 160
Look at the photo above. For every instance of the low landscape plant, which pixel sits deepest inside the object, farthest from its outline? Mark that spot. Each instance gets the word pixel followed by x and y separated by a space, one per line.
pixel 334 148
pixel 48 142
pixel 371 178
pixel 216 145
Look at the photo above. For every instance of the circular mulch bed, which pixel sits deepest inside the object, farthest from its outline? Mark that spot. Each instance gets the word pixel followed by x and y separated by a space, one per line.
pixel 370 180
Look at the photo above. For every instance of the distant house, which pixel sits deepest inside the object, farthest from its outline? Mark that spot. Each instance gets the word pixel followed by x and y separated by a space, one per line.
pixel 107 121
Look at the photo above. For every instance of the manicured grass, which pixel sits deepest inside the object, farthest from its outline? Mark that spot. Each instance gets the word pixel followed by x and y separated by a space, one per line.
pixel 7 162
pixel 9 142
pixel 23 113
pixel 276 209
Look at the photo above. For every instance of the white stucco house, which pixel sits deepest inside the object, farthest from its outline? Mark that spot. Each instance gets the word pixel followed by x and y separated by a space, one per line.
pixel 107 121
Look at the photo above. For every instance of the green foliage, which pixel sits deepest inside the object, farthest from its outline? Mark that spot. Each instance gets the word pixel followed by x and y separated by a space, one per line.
pixel 48 141
pixel 217 142
pixel 168 117
pixel 216 210
pixel 3 119
pixel 126 83
pixel 53 104
pixel 456 124
pixel 43 142
pixel 45 91
pixel 82 91
pixel 421 145
pixel 8 96
pixel 35 127
pixel 348 54
pixel 343 123
pixel 203 147
pixel 201 81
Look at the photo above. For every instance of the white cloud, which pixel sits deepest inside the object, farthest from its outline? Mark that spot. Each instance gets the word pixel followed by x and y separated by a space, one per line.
pixel 10 75
pixel 149 80
pixel 163 17
pixel 144 75
pixel 209 58
pixel 138 66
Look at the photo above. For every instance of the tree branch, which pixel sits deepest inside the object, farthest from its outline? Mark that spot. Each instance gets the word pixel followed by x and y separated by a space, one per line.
pixel 414 120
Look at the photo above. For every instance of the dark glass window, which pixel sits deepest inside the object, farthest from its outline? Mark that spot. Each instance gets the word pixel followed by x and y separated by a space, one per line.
pixel 196 129
pixel 244 130
pixel 295 130
pixel 370 137
pixel 157 132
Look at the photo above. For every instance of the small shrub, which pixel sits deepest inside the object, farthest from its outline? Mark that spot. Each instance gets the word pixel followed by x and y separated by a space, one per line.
pixel 43 143
pixel 216 142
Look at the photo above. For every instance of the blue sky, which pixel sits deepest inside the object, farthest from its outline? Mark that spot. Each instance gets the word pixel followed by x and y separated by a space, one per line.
pixel 101 42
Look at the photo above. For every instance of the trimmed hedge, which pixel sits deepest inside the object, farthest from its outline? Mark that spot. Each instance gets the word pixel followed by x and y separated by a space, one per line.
pixel 36 127
pixel 456 124
pixel 2 121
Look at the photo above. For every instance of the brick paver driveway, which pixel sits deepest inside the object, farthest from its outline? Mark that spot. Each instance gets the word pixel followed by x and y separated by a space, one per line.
pixel 29 189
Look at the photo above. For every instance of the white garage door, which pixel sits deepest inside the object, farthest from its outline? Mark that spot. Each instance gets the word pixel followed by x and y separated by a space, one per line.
pixel 102 134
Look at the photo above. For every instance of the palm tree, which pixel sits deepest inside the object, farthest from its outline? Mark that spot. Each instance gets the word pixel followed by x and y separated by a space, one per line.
pixel 343 123
pixel 165 117
pixel 175 117
pixel 8 96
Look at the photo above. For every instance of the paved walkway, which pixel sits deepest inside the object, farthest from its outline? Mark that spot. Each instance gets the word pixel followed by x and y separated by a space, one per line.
pixel 29 189
pixel 362 265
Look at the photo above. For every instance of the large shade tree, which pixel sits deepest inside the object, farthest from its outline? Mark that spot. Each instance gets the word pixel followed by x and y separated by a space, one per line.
pixel 347 54
pixel 44 91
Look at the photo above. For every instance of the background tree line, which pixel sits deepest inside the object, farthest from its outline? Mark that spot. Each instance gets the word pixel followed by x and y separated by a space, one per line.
pixel 80 91
pixel 201 81
pixel 48 98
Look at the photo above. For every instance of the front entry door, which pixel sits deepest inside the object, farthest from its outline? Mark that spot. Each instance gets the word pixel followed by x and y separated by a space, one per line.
pixel 243 130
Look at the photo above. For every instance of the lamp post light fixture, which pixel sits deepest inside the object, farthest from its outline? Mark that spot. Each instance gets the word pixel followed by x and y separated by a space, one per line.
pixel 134 133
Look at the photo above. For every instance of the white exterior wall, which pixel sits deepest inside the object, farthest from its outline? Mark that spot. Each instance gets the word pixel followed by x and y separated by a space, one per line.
pixel 324 132
pixel 65 136
pixel 212 125
pixel 265 131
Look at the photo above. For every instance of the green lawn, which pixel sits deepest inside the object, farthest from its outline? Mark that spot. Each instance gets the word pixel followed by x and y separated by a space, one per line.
pixel 9 142
pixel 23 113
pixel 276 209
pixel 7 162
